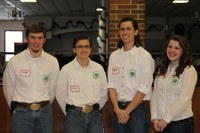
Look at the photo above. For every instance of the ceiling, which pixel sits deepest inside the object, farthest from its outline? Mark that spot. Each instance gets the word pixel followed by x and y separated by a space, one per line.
pixel 81 8
pixel 160 8
pixel 67 8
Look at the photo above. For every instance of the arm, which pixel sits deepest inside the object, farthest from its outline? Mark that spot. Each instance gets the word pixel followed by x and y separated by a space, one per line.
pixel 53 81
pixel 104 91
pixel 9 82
pixel 137 99
pixel 153 107
pixel 61 91
pixel 153 102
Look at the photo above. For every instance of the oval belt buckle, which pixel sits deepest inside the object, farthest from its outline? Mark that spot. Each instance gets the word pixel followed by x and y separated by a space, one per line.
pixel 87 109
pixel 35 106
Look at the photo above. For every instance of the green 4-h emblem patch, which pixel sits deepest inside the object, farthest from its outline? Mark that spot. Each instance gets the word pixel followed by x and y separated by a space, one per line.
pixel 175 80
pixel 45 78
pixel 96 74
pixel 132 73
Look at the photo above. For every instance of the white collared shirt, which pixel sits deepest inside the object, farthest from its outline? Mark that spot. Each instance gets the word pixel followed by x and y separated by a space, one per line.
pixel 131 71
pixel 80 86
pixel 28 79
pixel 172 96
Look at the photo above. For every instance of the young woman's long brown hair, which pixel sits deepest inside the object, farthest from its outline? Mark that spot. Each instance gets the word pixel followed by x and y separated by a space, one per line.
pixel 185 59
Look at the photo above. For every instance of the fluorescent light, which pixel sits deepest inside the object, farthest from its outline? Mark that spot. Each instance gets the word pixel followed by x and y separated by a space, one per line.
pixel 28 0
pixel 180 1
pixel 12 5
pixel 99 9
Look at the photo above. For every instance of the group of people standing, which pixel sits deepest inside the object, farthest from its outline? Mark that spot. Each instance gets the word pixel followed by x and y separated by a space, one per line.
pixel 32 80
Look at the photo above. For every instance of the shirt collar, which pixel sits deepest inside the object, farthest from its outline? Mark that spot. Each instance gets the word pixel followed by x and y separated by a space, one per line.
pixel 131 51
pixel 29 54
pixel 77 65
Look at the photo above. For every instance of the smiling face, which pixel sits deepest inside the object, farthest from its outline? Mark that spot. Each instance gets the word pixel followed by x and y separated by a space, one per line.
pixel 127 32
pixel 82 49
pixel 36 42
pixel 174 51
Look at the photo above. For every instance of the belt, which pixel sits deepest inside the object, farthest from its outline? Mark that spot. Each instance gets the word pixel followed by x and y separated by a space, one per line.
pixel 86 109
pixel 123 104
pixel 32 106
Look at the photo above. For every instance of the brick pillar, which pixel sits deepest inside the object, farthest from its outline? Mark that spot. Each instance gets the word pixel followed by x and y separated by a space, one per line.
pixel 119 9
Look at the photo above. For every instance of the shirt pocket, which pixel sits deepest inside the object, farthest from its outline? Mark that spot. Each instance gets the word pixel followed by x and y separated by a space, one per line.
pixel 74 89
pixel 132 76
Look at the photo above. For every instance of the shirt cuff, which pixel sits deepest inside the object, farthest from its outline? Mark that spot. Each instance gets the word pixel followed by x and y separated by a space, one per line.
pixel 110 85
pixel 167 118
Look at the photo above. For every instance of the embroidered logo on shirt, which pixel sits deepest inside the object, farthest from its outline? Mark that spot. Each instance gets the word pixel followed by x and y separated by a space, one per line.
pixel 45 78
pixel 175 80
pixel 25 73
pixel 74 88
pixel 132 73
pixel 95 74
pixel 115 70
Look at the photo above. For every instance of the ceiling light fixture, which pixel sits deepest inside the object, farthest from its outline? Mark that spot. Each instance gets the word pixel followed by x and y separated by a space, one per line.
pixel 28 0
pixel 99 9
pixel 180 1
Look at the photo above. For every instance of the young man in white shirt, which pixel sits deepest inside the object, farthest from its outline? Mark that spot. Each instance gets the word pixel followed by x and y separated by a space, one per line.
pixel 29 83
pixel 82 90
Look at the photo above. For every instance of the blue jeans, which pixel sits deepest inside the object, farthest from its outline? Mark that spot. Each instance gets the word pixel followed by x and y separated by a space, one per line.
pixel 182 126
pixel 79 122
pixel 25 120
pixel 137 122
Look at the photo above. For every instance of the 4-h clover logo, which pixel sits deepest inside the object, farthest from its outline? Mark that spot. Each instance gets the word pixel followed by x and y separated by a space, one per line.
pixel 132 73
pixel 175 80
pixel 96 74
pixel 45 78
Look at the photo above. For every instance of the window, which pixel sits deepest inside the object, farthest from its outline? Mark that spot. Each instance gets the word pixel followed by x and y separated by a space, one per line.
pixel 12 37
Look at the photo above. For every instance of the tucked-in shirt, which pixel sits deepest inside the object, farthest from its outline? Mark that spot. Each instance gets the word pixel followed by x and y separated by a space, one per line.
pixel 172 96
pixel 131 71
pixel 28 79
pixel 80 86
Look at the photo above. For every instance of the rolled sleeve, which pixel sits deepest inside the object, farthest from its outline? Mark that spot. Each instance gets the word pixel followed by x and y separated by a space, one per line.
pixel 144 89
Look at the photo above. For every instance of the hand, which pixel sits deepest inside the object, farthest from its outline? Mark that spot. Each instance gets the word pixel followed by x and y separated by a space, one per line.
pixel 155 125
pixel 122 116
pixel 162 124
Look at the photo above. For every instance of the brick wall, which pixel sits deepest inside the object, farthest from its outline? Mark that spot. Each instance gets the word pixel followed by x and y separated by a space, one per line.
pixel 119 9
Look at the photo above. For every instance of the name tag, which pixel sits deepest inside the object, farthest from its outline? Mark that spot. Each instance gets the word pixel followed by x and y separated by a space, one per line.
pixel 25 73
pixel 115 70
pixel 74 88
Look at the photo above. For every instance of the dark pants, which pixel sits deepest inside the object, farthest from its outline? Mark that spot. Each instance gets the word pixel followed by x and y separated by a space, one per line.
pixel 25 120
pixel 182 126
pixel 79 122
pixel 137 122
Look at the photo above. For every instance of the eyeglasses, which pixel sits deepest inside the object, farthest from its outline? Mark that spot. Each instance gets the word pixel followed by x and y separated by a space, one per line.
pixel 83 46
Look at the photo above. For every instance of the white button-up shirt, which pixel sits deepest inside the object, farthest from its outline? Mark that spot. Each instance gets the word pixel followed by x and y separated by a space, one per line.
pixel 80 86
pixel 172 96
pixel 28 79
pixel 131 71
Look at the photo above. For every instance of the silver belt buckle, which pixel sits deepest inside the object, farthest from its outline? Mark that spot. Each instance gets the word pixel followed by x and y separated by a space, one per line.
pixel 87 109
pixel 35 106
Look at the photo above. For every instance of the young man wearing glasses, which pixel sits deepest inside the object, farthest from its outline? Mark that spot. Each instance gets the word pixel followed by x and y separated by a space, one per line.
pixel 81 90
